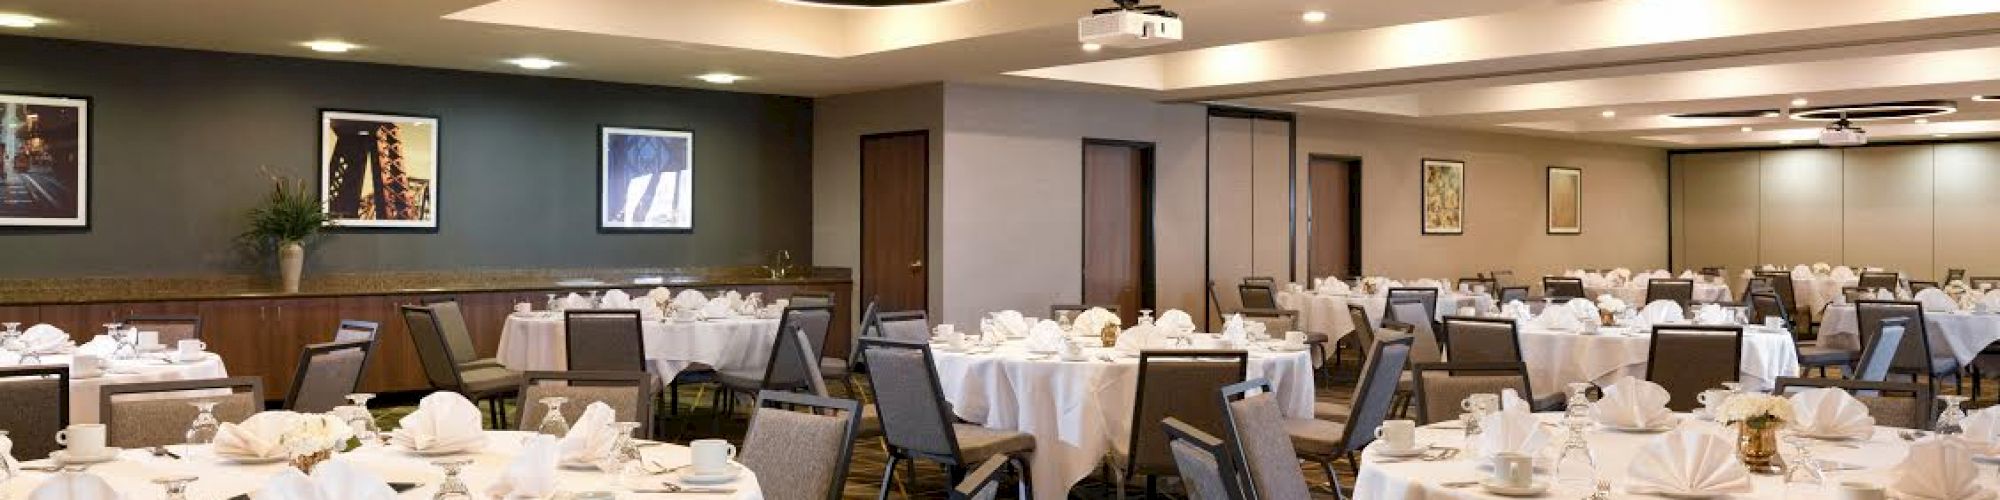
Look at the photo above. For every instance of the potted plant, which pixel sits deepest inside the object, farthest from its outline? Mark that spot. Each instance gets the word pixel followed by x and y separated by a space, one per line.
pixel 285 220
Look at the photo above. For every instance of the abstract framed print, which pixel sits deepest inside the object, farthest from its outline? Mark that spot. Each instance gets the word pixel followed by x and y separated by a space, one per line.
pixel 645 180
pixel 44 161
pixel 1565 200
pixel 378 170
pixel 1443 197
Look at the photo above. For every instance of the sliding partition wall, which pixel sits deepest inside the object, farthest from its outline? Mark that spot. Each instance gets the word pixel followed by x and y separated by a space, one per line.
pixel 1250 203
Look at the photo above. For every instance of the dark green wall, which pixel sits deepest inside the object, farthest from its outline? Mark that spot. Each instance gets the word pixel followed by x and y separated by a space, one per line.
pixel 179 136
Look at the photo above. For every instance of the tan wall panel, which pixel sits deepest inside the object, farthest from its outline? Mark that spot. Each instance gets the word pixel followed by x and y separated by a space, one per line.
pixel 1967 205
pixel 1719 215
pixel 1887 208
pixel 1231 156
pixel 1270 200
pixel 1799 221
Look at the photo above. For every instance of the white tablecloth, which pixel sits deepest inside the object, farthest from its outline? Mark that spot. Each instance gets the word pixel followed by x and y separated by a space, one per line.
pixel 1327 313
pixel 1555 359
pixel 1079 411
pixel 84 393
pixel 1419 480
pixel 1635 293
pixel 1961 335
pixel 1816 292
pixel 739 347
pixel 133 472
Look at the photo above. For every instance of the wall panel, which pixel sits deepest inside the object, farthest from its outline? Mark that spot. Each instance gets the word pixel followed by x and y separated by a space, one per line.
pixel 1718 209
pixel 1231 155
pixel 1886 212
pixel 1967 204
pixel 1271 215
pixel 1799 216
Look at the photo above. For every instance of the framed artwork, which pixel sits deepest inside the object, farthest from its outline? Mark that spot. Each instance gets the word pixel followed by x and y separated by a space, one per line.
pixel 1565 199
pixel 1444 197
pixel 645 180
pixel 44 161
pixel 378 170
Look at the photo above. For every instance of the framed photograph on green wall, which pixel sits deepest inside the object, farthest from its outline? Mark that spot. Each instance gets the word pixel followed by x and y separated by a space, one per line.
pixel 44 161
pixel 645 180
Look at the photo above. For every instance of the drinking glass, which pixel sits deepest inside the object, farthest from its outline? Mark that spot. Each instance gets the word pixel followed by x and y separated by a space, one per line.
pixel 624 462
pixel 593 300
pixel 1145 316
pixel 202 430
pixel 1949 419
pixel 452 488
pixel 553 304
pixel 362 420
pixel 1062 319
pixel 1577 404
pixel 1576 465
pixel 175 486
pixel 553 422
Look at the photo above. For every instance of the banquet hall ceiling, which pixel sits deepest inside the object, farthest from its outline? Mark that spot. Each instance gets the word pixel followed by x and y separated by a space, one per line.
pixel 1604 70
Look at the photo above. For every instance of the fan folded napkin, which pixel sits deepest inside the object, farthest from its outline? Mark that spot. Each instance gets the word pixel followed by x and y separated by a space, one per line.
pixel 74 486
pixel 444 421
pixel 532 474
pixel 1662 311
pixel 1800 272
pixel 1884 294
pixel 1332 287
pixel 574 301
pixel 1140 338
pixel 1712 314
pixel 1842 273
pixel 1690 275
pixel 1982 428
pixel 1633 404
pixel 591 438
pixel 660 295
pixel 1510 400
pixel 1175 321
pixel 615 299
pixel 1991 301
pixel 1936 300
pixel 1012 323
pixel 718 308
pixel 100 345
pixel 1431 283
pixel 44 337
pixel 690 300
pixel 256 437
pixel 1557 319
pixel 1689 463
pixel 1046 336
pixel 1831 412
pixel 8 466
pixel 1511 431
pixel 1093 321
pixel 649 310
pixel 1939 468
pixel 1518 310
pixel 733 298
pixel 1582 308
pixel 1235 331
pixel 336 479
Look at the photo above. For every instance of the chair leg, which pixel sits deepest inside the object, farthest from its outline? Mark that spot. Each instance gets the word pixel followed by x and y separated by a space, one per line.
pixel 1152 487
pixel 673 399
pixel 1026 477
pixel 1332 479
pixel 888 475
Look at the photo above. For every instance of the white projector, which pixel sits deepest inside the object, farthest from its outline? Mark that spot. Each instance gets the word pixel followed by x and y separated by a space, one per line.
pixel 1842 133
pixel 1128 29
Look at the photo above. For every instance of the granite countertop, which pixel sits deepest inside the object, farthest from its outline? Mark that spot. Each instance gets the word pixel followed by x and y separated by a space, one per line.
pixel 146 289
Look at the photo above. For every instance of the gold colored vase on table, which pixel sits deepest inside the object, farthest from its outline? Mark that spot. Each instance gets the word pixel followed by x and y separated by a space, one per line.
pixel 1109 335
pixel 1757 446
pixel 306 462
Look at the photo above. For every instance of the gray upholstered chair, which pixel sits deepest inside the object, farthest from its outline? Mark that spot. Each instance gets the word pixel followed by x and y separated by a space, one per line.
pixel 982 484
pixel 1914 355
pixel 810 298
pixel 1276 321
pixel 1681 291
pixel 1427 347
pixel 1257 296
pixel 1501 277
pixel 1879 280
pixel 1485 285
pixel 172 328
pixel 1257 440
pixel 1767 305
pixel 1688 359
pixel 1781 283
pixel 476 381
pixel 1426 295
pixel 1260 280
pixel 912 326
pixel 1325 442
pixel 326 374
pixel 353 330
pixel 1563 288
pixel 148 414
pixel 1470 339
pixel 457 336
pixel 1983 282
pixel 802 454
pixel 1513 293
pixel 917 423
pixel 1165 380
pixel 843 369
pixel 39 401
pixel 1879 352
pixel 1206 471
pixel 604 340
pixel 787 368
pixel 1892 404
pixel 1441 386
pixel 628 393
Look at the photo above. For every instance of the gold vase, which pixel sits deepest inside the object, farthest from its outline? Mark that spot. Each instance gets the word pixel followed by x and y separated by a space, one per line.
pixel 1605 318
pixel 306 462
pixel 1108 335
pixel 1757 446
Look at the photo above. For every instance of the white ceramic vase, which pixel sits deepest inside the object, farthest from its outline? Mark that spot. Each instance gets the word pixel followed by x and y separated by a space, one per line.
pixel 291 262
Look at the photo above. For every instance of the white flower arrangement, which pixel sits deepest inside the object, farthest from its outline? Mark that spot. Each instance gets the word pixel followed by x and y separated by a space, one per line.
pixel 310 433
pixel 1956 288
pixel 1093 321
pixel 1821 269
pixel 1611 305
pixel 1757 409
pixel 1374 284
pixel 1620 274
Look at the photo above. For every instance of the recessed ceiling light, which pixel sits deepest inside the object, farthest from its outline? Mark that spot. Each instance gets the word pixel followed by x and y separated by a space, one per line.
pixel 1921 121
pixel 1091 47
pixel 20 21
pixel 1746 129
pixel 535 63
pixel 1801 101
pixel 330 46
pixel 1313 16
pixel 721 78
pixel 1608 114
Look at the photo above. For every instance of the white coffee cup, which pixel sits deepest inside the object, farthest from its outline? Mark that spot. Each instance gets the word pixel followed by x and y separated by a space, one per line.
pixel 1513 470
pixel 149 341
pixel 86 366
pixel 1861 490
pixel 1774 322
pixel 712 456
pixel 1712 398
pixel 521 307
pixel 1398 435
pixel 1480 403
pixel 1295 338
pixel 82 440
pixel 191 348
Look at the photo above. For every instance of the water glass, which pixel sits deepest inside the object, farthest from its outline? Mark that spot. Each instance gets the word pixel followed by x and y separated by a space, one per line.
pixel 553 422
pixel 362 420
pixel 202 430
pixel 174 487
pixel 1948 422
pixel 452 488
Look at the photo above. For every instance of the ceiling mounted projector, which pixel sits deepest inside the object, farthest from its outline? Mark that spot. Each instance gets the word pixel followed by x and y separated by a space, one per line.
pixel 1842 133
pixel 1129 25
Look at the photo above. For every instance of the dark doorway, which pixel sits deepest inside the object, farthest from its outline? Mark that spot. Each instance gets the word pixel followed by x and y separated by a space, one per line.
pixel 1334 247
pixel 1118 225
pixel 895 220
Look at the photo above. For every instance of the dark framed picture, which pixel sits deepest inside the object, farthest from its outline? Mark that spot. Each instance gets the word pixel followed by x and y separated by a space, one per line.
pixel 1443 197
pixel 645 180
pixel 44 161
pixel 1565 199
pixel 378 170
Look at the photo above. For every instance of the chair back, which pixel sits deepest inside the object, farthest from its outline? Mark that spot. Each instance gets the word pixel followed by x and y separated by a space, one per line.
pixel 1426 295
pixel 810 298
pixel 866 329
pixel 801 336
pixel 1562 288
pixel 1426 347
pixel 1875 280
pixel 1257 296
pixel 800 453
pixel 1681 291
pixel 1913 353
pixel 1782 284
pixel 915 416
pixel 326 374
pixel 1501 277
pixel 1919 286
pixel 1951 275
pixel 1907 405
pixel 1712 272
pixel 1513 293
pixel 628 394
pixel 1260 280
pixel 1766 305
pixel 172 328
pixel 1688 359
pixel 1439 387
pixel 1472 339
pixel 1487 285
pixel 1203 462
pixel 1880 352
pixel 451 324
pixel 356 330
pixel 1374 395
pixel 1364 332
pixel 1257 440
pixel 604 340
pixel 1983 282
pixel 145 414
pixel 983 483
pixel 1754 285
pixel 440 367
pixel 910 326
pixel 1165 380
pixel 39 401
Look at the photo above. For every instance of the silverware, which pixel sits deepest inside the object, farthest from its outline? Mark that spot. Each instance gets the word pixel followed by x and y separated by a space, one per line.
pixel 1459 484
pixel 162 451
pixel 40 468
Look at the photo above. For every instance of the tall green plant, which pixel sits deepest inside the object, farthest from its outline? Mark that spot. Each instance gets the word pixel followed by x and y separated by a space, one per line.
pixel 289 214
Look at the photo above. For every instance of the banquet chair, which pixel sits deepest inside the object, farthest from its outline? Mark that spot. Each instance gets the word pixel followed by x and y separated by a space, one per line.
pixel 982 484
pixel 1257 296
pixel 1780 282
pixel 843 369
pixel 1562 288
pixel 1892 404
pixel 1678 290
pixel 1426 345
pixel 1165 377
pixel 1688 359
pixel 1203 462
pixel 1954 274
pixel 628 393
pixel 1425 295
pixel 910 326
pixel 917 422
pixel 351 330
pixel 326 374
pixel 787 368
pixel 1919 286
pixel 1501 277
pixel 1983 282
pixel 457 337
pixel 1810 354
pixel 1853 294
pixel 172 328
pixel 1074 310
pixel 145 414
pixel 800 455
pixel 1473 339
pixel 1316 440
pixel 1879 353
pixel 40 397
pixel 1879 280
pixel 477 382
pixel 1492 287
pixel 1914 355
pixel 1363 335
pixel 1260 280
pixel 1513 293
pixel 604 340
pixel 1276 321
pixel 1441 386
pixel 1712 272
pixel 810 298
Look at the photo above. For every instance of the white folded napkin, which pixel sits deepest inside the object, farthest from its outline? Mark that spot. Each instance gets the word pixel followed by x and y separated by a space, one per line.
pixel 1175 321
pixel 1557 319
pixel 1511 431
pixel 1139 338
pixel 733 297
pixel 1884 294
pixel 690 300
pixel 74 486
pixel 1583 308
pixel 1662 311
pixel 718 308
pixel 256 437
pixel 1046 336
pixel 1517 310
pixel 444 421
pixel 1690 275
pixel 1093 321
pixel 1510 400
pixel 649 310
pixel 1012 323
pixel 532 474
pixel 1831 412
pixel 592 437
pixel 1801 272
pixel 574 301
pixel 1712 314
pixel 1982 428
pixel 8 465
pixel 1633 403
pixel 1333 287
pixel 1687 462
pixel 99 345
pixel 1431 283
pixel 44 337
pixel 1939 468
pixel 336 479
pixel 1991 300
pixel 1936 300
pixel 1842 273
pixel 614 299
pixel 1234 331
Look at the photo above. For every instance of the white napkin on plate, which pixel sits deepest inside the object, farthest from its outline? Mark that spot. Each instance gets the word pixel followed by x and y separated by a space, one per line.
pixel 1662 311
pixel 1991 300
pixel 574 301
pixel 1510 400
pixel 532 474
pixel 1093 321
pixel 1511 431
pixel 1517 310
pixel 1235 332
pixel 1939 468
pixel 1633 404
pixel 1046 336
pixel 614 299
pixel 1712 314
pixel 1690 275
pixel 1842 273
pixel 649 310
pixel 660 295
pixel 690 299
pixel 1982 428
pixel 591 437
pixel 718 308
pixel 1012 323
pixel 336 479
pixel 1831 412
pixel 444 421
pixel 1686 462
pixel 256 437
pixel 44 337
pixel 1583 308
pixel 8 466
pixel 74 486
pixel 1333 287
pixel 1936 300
pixel 1175 321
pixel 1558 319
pixel 1139 338
pixel 1800 272
pixel 99 345
pixel 1884 294
pixel 733 297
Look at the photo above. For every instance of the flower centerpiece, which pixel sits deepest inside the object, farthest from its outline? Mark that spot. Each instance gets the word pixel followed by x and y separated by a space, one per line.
pixel 1609 307
pixel 313 437
pixel 1619 276
pixel 1757 418
pixel 1374 284
pixel 1821 269
pixel 286 218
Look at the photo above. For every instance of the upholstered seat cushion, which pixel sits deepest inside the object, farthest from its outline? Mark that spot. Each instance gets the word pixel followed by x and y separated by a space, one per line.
pixel 1311 436
pixel 976 443
pixel 491 380
pixel 1334 412
pixel 481 363
pixel 1811 354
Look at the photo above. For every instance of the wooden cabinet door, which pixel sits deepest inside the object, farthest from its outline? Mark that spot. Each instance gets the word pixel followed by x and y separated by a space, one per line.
pixel 292 325
pixel 81 321
pixel 395 367
pixel 236 330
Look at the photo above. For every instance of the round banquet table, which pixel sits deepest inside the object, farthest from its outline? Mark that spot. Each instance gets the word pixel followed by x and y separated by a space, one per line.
pixel 1635 292
pixel 735 346
pixel 132 473
pixel 1557 358
pixel 1080 411
pixel 1327 313
pixel 1815 292
pixel 84 393
pixel 1962 334
pixel 1871 460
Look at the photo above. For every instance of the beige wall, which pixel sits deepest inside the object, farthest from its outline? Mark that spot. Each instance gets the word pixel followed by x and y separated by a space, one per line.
pixel 838 124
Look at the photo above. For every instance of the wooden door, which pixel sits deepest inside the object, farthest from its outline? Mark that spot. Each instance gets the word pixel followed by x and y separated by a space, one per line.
pixel 895 203
pixel 1335 210
pixel 1115 218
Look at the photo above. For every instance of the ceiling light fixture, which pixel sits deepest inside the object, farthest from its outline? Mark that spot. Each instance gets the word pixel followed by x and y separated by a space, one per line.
pixel 721 78
pixel 1921 121
pixel 1988 97
pixel 1940 135
pixel 1313 16
pixel 330 46
pixel 1800 101
pixel 1746 129
pixel 534 63
pixel 1608 114
pixel 22 21
pixel 1091 47
pixel 868 4
pixel 1876 111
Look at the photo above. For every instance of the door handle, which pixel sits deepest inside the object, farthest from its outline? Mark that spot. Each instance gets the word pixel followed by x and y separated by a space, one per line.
pixel 916 264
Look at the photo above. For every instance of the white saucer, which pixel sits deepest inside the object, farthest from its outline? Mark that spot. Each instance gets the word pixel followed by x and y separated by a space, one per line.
pixel 1536 487
pixel 63 456
pixel 249 460
pixel 438 452
pixel 690 477
pixel 1671 423
pixel 1413 451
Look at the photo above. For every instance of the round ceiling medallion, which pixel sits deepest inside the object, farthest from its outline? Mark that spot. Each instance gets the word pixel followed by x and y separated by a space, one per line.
pixel 1876 111
pixel 865 4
